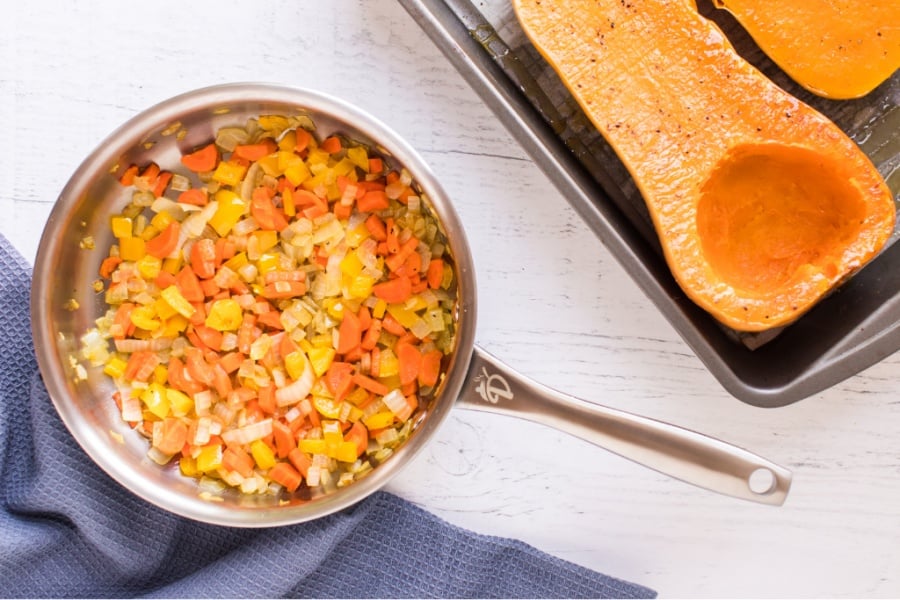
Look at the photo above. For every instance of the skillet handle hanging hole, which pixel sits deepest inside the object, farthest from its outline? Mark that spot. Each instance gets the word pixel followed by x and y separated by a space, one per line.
pixel 762 481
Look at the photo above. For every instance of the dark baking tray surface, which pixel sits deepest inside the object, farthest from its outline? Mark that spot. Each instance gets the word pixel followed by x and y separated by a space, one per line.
pixel 855 327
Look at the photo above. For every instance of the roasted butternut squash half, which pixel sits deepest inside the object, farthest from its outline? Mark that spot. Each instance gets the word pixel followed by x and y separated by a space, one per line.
pixel 837 49
pixel 762 204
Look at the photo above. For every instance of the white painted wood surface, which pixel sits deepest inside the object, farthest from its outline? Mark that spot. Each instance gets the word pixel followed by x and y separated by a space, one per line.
pixel 552 303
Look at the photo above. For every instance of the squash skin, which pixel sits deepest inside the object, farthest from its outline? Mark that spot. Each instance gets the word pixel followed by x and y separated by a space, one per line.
pixel 838 49
pixel 672 97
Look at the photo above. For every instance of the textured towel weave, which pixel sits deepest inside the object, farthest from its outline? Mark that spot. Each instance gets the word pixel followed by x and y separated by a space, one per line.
pixel 68 530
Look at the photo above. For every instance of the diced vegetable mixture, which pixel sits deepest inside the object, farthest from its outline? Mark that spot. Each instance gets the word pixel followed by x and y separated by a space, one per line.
pixel 280 309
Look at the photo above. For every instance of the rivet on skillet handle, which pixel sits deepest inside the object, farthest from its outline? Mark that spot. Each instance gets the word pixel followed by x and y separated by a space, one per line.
pixel 692 457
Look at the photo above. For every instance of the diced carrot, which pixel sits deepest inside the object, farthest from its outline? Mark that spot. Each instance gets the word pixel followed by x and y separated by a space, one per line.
pixel 284 439
pixel 254 152
pixel 373 334
pixel 202 160
pixel 410 360
pixel 235 458
pixel 339 378
pixel 302 143
pixel 370 384
pixel 263 209
pixel 140 365
pixel 373 201
pixel 203 258
pixel 286 475
pixel 246 333
pixel 189 285
pixel 212 338
pixel 164 279
pixel 331 144
pixel 392 325
pixel 162 182
pixel 376 165
pixel 209 288
pixel 163 244
pixel 395 261
pixel 365 317
pixel 128 176
pixel 435 273
pixel 267 399
pixel 271 319
pixel 284 289
pixel 359 435
pixel 376 228
pixel 109 265
pixel 342 211
pixel 231 361
pixel 197 367
pixel 173 436
pixel 430 369
pixel 393 243
pixel 349 334
pixel 194 196
pixel 375 362
pixel 393 291
pixel 177 379
pixel 301 460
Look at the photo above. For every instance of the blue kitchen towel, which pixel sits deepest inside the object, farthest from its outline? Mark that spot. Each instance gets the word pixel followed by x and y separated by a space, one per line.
pixel 69 530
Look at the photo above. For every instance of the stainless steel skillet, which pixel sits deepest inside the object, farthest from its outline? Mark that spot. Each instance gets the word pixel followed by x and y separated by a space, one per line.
pixel 65 305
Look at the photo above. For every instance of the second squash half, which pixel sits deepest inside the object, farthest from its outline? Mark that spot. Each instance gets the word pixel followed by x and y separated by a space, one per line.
pixel 762 204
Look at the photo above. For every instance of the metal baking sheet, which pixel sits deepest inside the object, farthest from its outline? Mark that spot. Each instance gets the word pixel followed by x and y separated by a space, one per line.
pixel 853 328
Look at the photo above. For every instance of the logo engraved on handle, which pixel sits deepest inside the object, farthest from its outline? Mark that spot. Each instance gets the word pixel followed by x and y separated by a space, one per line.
pixel 492 388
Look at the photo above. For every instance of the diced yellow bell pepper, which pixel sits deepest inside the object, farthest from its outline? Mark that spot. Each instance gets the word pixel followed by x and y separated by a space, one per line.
pixel 122 227
pixel 345 451
pixel 262 454
pixel 379 420
pixel 177 301
pixel 267 263
pixel 160 374
pixel 345 166
pixel 115 367
pixel 273 123
pixel 143 317
pixel 161 220
pixel 237 261
pixel 312 446
pixel 180 402
pixel 389 364
pixel 287 201
pixel 225 315
pixel 357 235
pixel 359 156
pixel 154 399
pixel 188 466
pixel 147 233
pixel 288 141
pixel 351 264
pixel 315 156
pixel 229 173
pixel 270 165
pixel 295 364
pixel 174 325
pixel 229 211
pixel 379 309
pixel 163 309
pixel 327 407
pixel 296 172
pixel 321 358
pixel 361 286
pixel 132 248
pixel 172 265
pixel 403 315
pixel 149 266
pixel 331 433
pixel 357 396
pixel 209 458
pixel 265 239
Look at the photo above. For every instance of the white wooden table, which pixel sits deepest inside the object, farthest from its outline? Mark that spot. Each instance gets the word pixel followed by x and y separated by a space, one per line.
pixel 552 303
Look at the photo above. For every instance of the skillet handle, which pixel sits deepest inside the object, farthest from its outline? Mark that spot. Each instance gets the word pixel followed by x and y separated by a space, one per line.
pixel 692 457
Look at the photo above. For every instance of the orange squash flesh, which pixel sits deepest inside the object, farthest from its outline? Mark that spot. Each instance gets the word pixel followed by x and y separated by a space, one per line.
pixel 762 205
pixel 838 49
